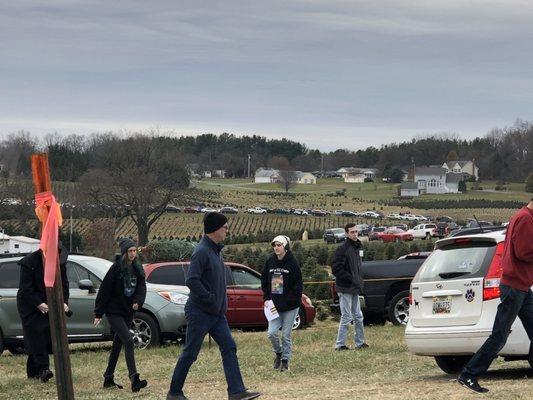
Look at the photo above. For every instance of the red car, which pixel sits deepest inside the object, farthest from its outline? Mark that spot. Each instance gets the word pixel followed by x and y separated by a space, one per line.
pixel 394 235
pixel 245 297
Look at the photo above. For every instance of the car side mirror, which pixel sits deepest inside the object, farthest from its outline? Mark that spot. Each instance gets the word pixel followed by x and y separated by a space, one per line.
pixel 86 284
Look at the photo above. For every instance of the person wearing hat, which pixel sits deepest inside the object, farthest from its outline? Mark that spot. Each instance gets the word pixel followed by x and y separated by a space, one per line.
pixel 33 310
pixel 121 293
pixel 281 282
pixel 205 312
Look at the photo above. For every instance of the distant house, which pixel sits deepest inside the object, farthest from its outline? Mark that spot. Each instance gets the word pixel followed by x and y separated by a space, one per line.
pixel 354 178
pixel 207 174
pixel 409 189
pixel 467 168
pixel 266 175
pixel 18 244
pixel 306 178
pixel 353 175
pixel 436 180
pixel 271 175
pixel 220 173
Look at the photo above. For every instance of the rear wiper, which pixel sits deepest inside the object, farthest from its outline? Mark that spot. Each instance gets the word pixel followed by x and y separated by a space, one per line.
pixel 449 275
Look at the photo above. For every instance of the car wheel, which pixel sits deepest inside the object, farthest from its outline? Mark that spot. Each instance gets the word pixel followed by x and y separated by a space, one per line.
pixel 530 358
pixel 399 308
pixel 17 349
pixel 299 321
pixel 145 331
pixel 452 364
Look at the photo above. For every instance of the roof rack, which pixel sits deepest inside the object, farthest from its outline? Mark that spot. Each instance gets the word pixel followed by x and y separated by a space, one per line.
pixel 10 255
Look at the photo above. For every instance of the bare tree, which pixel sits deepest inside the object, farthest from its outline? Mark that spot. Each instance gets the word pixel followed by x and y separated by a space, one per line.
pixel 137 177
pixel 287 176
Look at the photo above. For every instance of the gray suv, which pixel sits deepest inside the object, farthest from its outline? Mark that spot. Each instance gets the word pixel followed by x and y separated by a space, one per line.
pixel 334 235
pixel 162 316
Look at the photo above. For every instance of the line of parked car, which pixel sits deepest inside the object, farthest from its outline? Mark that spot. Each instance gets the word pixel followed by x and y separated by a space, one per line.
pixel 162 316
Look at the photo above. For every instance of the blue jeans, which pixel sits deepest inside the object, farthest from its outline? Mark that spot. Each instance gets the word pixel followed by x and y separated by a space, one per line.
pixel 350 311
pixel 285 321
pixel 514 303
pixel 200 324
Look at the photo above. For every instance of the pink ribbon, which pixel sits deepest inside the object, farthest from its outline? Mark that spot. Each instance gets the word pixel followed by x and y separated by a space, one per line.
pixel 49 213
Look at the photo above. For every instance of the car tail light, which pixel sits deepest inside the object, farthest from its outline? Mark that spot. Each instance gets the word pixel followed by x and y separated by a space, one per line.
pixel 410 297
pixel 462 241
pixel 491 283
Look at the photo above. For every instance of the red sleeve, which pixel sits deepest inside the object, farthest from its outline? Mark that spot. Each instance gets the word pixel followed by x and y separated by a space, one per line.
pixel 522 239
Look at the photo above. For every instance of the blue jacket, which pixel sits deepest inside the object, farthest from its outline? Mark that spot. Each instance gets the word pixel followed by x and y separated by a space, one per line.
pixel 206 278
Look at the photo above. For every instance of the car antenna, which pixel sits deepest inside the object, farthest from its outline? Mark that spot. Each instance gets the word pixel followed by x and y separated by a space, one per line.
pixel 478 224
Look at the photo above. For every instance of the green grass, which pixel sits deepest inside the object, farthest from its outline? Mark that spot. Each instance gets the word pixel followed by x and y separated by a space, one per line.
pixel 384 371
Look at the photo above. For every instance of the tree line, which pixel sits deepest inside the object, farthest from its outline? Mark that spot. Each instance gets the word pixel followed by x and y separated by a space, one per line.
pixel 503 154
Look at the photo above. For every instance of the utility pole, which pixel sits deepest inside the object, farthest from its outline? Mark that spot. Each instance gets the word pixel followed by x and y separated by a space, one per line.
pixel 54 294
pixel 248 166
pixel 322 163
pixel 70 242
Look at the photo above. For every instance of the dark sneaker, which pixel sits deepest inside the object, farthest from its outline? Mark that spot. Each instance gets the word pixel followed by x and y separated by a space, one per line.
pixel 471 383
pixel 179 396
pixel 277 361
pixel 342 348
pixel 246 395
pixel 284 365
pixel 363 346
pixel 45 375
pixel 110 383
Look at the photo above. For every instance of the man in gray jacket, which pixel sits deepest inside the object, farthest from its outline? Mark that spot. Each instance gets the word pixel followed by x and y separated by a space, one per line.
pixel 205 312
pixel 346 267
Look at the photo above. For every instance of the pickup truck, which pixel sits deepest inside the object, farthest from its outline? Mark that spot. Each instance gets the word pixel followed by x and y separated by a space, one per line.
pixel 256 210
pixel 386 291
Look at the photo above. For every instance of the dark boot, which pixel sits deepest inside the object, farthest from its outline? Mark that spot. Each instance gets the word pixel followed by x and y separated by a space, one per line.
pixel 277 361
pixel 179 396
pixel 45 375
pixel 246 395
pixel 109 383
pixel 284 365
pixel 137 384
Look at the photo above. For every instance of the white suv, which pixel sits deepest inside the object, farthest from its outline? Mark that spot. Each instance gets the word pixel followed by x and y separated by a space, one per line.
pixel 453 302
pixel 423 231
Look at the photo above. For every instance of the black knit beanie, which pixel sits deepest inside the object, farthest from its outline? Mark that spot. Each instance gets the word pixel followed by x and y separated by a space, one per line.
pixel 125 244
pixel 213 221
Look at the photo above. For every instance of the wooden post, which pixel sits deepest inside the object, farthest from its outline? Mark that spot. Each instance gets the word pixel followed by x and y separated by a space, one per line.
pixel 54 296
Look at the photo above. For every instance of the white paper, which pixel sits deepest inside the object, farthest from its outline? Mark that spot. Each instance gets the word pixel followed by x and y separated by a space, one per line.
pixel 270 310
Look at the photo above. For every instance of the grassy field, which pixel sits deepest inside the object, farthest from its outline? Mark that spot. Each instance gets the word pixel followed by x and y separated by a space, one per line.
pixel 384 371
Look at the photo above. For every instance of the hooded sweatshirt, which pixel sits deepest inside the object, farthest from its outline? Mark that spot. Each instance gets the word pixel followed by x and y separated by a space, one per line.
pixel 281 282
pixel 517 261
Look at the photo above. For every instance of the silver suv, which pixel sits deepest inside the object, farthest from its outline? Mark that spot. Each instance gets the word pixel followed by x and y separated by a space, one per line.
pixel 161 317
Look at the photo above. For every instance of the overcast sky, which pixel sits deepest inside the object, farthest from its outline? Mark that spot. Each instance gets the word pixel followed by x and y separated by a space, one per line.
pixel 327 73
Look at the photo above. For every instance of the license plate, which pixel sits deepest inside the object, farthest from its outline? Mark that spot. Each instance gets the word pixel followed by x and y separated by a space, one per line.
pixel 442 305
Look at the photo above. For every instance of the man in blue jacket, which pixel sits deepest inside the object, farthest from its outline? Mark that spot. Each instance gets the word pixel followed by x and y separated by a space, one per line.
pixel 205 312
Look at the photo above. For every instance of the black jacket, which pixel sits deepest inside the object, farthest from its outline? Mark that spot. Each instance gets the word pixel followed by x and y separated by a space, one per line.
pixel 287 279
pixel 347 268
pixel 111 298
pixel 206 278
pixel 32 291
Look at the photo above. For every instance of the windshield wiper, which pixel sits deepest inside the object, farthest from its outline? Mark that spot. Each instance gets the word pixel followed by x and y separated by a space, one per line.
pixel 449 275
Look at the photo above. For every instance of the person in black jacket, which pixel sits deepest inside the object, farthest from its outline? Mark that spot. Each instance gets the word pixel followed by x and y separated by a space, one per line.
pixel 33 310
pixel 281 282
pixel 346 267
pixel 121 293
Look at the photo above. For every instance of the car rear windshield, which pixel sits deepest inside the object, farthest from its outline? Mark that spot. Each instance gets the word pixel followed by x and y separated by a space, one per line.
pixel 339 230
pixel 457 261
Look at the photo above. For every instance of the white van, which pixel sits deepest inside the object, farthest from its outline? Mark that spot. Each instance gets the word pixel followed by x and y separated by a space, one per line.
pixel 453 302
